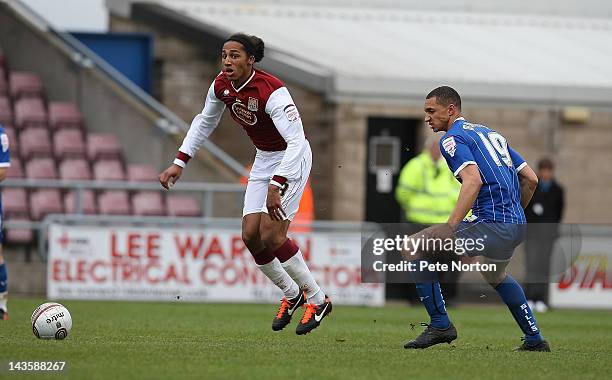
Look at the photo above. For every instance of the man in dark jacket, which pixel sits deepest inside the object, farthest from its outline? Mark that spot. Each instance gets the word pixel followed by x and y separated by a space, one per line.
pixel 543 213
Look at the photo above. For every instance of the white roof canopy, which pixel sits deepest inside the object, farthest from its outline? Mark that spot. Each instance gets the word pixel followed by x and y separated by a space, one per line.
pixel 394 53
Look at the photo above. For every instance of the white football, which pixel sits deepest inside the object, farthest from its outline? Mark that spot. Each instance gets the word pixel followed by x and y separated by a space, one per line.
pixel 51 321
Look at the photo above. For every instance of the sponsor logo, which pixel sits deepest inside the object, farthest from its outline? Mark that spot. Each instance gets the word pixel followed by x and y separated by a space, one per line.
pixel 74 245
pixel 450 146
pixel 244 114
pixel 252 105
pixel 318 317
pixel 470 218
pixel 291 113
pixel 226 92
pixel 469 126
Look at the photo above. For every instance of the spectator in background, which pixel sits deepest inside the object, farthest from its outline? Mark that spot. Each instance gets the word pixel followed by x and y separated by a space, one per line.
pixel 4 165
pixel 543 214
pixel 427 192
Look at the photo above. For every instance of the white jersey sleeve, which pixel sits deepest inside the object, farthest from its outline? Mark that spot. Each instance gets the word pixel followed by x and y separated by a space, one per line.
pixel 286 118
pixel 202 126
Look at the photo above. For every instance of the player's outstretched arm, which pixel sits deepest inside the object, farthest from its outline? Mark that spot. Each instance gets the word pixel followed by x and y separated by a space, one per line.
pixel 470 186
pixel 528 181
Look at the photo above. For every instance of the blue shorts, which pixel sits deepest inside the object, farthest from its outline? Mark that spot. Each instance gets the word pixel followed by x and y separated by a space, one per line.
pixel 495 241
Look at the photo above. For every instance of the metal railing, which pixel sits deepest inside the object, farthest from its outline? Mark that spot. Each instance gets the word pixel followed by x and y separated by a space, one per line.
pixel 207 191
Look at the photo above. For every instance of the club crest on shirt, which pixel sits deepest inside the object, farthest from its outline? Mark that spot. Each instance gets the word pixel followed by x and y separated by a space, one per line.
pixel 252 104
pixel 449 145
pixel 5 142
pixel 291 112
pixel 243 113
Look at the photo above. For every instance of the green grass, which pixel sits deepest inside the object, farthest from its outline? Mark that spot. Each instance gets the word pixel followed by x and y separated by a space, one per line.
pixel 181 340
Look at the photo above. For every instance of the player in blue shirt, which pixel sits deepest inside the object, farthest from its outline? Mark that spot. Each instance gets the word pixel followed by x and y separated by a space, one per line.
pixel 4 165
pixel 496 184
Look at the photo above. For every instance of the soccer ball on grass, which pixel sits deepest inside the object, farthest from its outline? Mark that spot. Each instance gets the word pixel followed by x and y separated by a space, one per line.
pixel 51 320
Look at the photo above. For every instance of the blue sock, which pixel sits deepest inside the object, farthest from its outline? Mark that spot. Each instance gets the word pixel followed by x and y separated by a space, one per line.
pixel 3 283
pixel 428 288
pixel 511 292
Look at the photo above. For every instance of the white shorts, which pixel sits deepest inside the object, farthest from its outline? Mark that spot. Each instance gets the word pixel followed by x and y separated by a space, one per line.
pixel 259 178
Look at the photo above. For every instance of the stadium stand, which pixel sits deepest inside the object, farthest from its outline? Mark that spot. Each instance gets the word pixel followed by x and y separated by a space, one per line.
pixel 141 173
pixel 64 115
pixel 30 113
pixel 15 202
pixel 182 205
pixel 114 203
pixel 16 168
pixel 88 202
pixel 108 170
pixel 69 143
pixel 25 84
pixel 50 141
pixel 102 145
pixel 54 144
pixel 35 142
pixel 45 201
pixel 41 168
pixel 75 168
pixel 148 203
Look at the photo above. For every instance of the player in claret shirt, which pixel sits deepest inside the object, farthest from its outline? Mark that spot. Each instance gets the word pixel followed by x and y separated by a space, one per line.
pixel 261 104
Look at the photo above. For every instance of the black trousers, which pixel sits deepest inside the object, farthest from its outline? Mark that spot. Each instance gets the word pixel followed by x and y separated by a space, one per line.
pixel 539 244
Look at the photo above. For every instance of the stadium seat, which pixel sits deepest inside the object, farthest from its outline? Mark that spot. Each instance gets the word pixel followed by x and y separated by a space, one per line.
pixel 141 173
pixel 35 142
pixel 6 111
pixel 45 201
pixel 182 205
pixel 148 203
pixel 20 235
pixel 30 113
pixel 75 168
pixel 114 202
pixel 69 143
pixel 64 115
pixel 41 168
pixel 88 202
pixel 108 170
pixel 16 169
pixel 15 201
pixel 25 84
pixel 13 143
pixel 103 145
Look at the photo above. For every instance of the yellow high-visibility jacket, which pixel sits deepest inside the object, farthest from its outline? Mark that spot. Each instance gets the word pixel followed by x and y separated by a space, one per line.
pixel 427 190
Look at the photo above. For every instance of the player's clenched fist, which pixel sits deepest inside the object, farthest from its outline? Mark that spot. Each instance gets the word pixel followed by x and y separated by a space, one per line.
pixel 168 177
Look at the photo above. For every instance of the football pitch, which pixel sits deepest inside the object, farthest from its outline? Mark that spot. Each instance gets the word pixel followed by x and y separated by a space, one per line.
pixel 145 340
